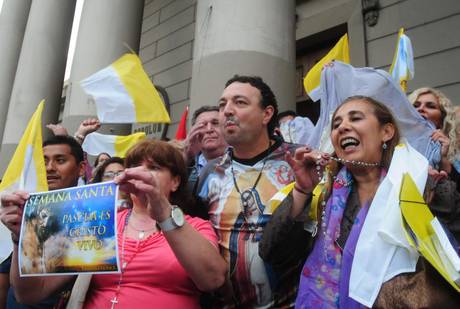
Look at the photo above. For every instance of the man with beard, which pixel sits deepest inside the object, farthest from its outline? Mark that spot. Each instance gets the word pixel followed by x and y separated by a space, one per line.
pixel 64 163
pixel 238 189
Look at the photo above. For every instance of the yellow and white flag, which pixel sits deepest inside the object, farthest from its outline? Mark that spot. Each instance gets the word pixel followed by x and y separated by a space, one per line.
pixel 123 93
pixel 279 196
pixel 26 171
pixel 402 68
pixel 312 80
pixel 114 145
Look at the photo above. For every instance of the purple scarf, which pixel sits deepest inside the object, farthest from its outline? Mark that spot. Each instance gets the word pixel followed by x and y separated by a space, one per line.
pixel 326 274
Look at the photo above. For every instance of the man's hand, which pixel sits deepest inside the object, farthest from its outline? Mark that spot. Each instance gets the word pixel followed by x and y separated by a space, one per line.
pixel 11 211
pixel 57 129
pixel 88 126
pixel 193 140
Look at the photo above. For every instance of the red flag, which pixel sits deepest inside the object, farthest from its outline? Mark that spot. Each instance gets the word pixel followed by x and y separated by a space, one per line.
pixel 181 133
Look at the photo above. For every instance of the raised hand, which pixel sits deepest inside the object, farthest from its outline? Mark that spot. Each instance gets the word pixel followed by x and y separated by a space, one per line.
pixel 146 191
pixel 88 126
pixel 305 163
pixel 439 136
pixel 57 129
pixel 193 140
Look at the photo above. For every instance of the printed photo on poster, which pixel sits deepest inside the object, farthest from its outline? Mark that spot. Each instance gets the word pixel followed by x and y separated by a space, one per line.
pixel 70 231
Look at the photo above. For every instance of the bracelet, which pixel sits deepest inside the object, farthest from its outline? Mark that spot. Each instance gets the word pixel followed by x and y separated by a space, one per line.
pixel 79 136
pixel 300 190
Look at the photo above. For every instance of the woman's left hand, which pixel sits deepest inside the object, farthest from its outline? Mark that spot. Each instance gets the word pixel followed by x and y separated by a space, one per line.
pixel 440 137
pixel 142 184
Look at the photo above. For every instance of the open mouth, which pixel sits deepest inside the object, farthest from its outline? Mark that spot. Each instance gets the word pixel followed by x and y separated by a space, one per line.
pixel 349 143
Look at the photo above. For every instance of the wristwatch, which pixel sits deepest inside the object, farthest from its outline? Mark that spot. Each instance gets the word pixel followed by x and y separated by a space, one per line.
pixel 176 220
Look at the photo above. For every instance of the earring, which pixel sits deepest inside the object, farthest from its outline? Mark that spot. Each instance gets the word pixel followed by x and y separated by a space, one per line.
pixel 384 146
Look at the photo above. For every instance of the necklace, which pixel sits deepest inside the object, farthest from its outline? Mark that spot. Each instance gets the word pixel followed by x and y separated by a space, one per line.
pixel 141 232
pixel 124 262
pixel 247 198
pixel 358 163
pixel 343 161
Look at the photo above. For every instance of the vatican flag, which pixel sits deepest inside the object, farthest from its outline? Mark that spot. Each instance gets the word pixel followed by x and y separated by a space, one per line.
pixel 420 233
pixel 402 68
pixel 114 145
pixel 311 81
pixel 26 171
pixel 123 93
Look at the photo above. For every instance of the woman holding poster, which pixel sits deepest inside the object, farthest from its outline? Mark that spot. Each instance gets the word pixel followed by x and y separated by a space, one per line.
pixel 166 256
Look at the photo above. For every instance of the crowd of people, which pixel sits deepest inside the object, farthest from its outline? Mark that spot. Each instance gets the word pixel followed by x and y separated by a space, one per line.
pixel 197 226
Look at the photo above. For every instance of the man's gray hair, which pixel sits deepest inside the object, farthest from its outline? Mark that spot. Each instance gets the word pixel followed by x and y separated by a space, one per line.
pixel 203 109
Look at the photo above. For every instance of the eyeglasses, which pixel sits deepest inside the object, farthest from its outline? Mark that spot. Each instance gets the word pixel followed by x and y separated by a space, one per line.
pixel 111 175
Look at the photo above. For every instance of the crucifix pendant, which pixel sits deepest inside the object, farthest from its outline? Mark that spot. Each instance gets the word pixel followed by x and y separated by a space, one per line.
pixel 141 234
pixel 114 301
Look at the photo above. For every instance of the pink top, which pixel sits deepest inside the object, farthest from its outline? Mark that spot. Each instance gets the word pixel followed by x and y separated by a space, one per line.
pixel 153 278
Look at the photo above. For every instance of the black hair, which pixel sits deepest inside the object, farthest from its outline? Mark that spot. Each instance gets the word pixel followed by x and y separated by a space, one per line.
pixel 284 114
pixel 96 162
pixel 203 109
pixel 75 148
pixel 101 169
pixel 267 96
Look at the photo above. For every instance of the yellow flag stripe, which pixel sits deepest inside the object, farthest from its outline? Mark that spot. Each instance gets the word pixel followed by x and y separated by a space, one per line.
pixel 124 143
pixel 418 216
pixel 339 52
pixel 31 139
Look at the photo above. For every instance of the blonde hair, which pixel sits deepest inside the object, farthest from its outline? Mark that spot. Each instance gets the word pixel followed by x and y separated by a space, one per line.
pixel 449 122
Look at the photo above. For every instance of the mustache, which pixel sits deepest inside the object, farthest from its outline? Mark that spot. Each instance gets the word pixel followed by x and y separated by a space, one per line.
pixel 232 119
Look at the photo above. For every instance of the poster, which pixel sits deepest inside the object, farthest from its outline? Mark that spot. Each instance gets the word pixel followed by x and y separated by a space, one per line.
pixel 70 231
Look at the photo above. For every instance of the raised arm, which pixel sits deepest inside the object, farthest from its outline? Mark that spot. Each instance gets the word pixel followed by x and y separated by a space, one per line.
pixel 86 127
pixel 27 290
pixel 193 141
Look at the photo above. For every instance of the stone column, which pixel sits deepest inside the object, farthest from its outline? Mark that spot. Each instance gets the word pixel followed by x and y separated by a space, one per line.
pixel 40 71
pixel 13 20
pixel 243 37
pixel 107 27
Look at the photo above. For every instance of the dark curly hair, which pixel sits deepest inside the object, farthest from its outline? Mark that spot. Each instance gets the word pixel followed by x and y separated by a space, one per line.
pixel 267 96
